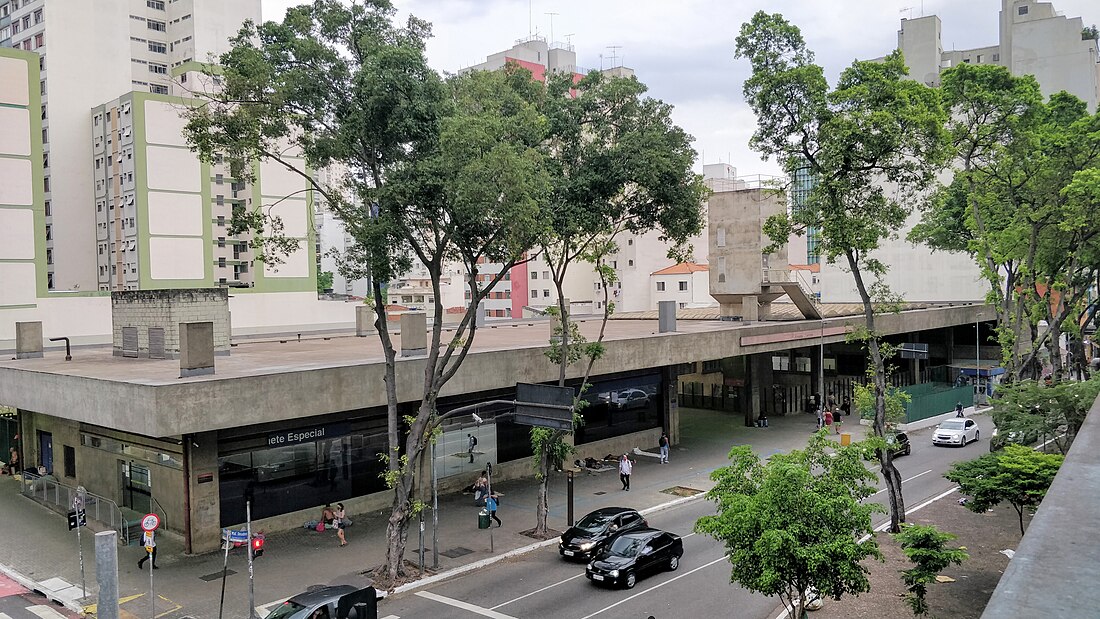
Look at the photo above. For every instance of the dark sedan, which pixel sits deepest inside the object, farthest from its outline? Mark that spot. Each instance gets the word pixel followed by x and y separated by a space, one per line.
pixel 584 540
pixel 634 554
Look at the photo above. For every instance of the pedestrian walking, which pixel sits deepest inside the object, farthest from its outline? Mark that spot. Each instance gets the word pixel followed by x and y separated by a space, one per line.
pixel 820 417
pixel 13 461
pixel 663 444
pixel 471 442
pixel 959 409
pixel 846 407
pixel 830 402
pixel 491 504
pixel 340 520
pixel 837 420
pixel 626 467
pixel 149 542
pixel 828 419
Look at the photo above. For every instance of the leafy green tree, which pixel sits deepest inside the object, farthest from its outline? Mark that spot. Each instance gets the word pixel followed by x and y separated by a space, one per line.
pixel 796 522
pixel 1020 204
pixel 618 164
pixel 872 143
pixel 324 281
pixel 419 167
pixel 926 547
pixel 1028 411
pixel 1018 475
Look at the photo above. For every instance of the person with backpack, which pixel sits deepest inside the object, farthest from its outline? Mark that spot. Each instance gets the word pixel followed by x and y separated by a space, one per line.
pixel 491 505
pixel 471 442
pixel 663 444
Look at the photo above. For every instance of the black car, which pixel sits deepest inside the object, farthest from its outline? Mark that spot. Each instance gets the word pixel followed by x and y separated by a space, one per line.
pixel 898 442
pixel 634 554
pixel 587 537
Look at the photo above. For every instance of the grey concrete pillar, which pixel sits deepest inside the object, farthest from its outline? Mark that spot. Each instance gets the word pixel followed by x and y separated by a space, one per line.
pixel 196 348
pixel 480 314
pixel 106 574
pixel 666 316
pixel 364 320
pixel 414 334
pixel 750 308
pixel 28 340
pixel 729 311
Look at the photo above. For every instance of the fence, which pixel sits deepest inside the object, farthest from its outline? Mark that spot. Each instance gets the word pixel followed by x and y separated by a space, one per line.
pixel 931 399
pixel 59 497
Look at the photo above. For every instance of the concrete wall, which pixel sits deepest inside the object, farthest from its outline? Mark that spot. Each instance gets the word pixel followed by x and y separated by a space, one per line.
pixel 735 240
pixel 166 309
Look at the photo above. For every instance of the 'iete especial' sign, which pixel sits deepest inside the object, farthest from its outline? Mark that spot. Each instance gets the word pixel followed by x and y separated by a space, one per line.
pixel 307 435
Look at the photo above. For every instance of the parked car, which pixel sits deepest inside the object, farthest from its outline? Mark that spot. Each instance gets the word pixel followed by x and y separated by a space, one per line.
pixel 584 539
pixel 634 554
pixel 958 431
pixel 627 399
pixel 898 443
pixel 332 602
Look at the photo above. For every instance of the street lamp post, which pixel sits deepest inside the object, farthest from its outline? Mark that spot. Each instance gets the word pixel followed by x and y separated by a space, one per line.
pixel 821 363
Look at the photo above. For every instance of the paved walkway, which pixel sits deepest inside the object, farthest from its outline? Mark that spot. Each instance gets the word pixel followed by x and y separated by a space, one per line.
pixel 39 546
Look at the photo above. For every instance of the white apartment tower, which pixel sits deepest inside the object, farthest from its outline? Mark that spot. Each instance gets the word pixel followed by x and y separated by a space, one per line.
pixel 90 53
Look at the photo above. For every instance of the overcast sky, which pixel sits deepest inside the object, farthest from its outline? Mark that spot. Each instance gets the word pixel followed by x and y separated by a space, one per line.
pixel 683 49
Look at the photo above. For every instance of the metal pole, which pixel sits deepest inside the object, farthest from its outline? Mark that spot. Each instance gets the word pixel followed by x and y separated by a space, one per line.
pixel 569 486
pixel 435 512
pixel 81 495
pixel 977 358
pixel 421 514
pixel 106 573
pixel 225 572
pixel 821 365
pixel 152 594
pixel 251 589
pixel 489 480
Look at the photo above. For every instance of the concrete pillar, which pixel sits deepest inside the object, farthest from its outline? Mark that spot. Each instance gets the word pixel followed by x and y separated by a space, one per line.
pixel 414 334
pixel 815 373
pixel 729 311
pixel 28 340
pixel 760 386
pixel 666 316
pixel 364 320
pixel 750 308
pixel 671 409
pixel 204 525
pixel 106 574
pixel 196 348
pixel 480 314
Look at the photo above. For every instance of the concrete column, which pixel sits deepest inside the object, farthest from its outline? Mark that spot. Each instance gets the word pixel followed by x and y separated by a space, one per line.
pixel 106 574
pixel 196 348
pixel 750 308
pixel 729 311
pixel 480 314
pixel 205 501
pixel 28 340
pixel 671 408
pixel 364 320
pixel 666 316
pixel 414 334
pixel 760 386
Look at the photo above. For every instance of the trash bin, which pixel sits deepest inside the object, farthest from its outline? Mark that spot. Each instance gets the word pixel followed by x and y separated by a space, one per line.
pixel 483 519
pixel 845 439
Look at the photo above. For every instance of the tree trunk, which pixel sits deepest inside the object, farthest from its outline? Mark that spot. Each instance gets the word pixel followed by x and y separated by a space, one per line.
pixel 382 326
pixel 397 527
pixel 890 475
pixel 1020 513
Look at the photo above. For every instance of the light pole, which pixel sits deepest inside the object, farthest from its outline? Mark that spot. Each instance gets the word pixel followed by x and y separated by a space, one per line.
pixel 821 363
pixel 978 357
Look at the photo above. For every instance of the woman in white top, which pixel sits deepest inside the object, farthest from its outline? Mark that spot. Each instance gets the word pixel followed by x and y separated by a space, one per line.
pixel 339 521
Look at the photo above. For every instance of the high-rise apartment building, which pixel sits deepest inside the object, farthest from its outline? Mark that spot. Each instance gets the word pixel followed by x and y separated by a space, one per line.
pixel 91 53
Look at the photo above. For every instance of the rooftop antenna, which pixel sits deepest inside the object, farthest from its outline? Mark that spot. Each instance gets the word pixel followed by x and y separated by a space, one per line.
pixel 568 39
pixel 530 17
pixel 907 8
pixel 614 54
pixel 601 62
pixel 552 26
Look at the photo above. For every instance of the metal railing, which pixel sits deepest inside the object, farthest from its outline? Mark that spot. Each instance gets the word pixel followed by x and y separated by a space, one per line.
pixel 788 276
pixel 59 497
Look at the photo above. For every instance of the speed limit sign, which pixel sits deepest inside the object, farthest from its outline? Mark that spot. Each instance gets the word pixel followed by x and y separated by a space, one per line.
pixel 150 522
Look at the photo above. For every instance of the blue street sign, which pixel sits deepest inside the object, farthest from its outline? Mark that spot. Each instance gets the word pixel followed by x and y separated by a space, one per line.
pixel 235 536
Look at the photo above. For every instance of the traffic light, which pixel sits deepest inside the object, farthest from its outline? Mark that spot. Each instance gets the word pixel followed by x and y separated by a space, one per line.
pixel 257 547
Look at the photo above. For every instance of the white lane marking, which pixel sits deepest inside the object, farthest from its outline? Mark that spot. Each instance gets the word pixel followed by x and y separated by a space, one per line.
pixel 485 612
pixel 905 480
pixel 391 617
pixel 45 612
pixel 5 616
pixel 655 587
pixel 527 595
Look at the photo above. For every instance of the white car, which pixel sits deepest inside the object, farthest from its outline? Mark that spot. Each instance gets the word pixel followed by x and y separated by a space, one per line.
pixel 958 431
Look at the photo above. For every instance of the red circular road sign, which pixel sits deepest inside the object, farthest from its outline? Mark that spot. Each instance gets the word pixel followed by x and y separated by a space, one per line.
pixel 150 522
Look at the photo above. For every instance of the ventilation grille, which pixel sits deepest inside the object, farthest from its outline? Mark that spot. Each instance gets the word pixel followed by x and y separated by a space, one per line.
pixel 156 343
pixel 129 341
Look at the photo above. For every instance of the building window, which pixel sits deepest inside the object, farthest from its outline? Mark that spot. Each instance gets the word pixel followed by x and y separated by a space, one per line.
pixel 630 241
pixel 534 274
pixel 70 461
pixel 683 306
pixel 158 89
pixel 660 286
pixel 1022 10
pixel 46 184
pixel 546 294
pixel 221 241
pixel 996 57
pixel 155 4
pixel 629 263
pixel 721 237
pixel 156 25
pixel 39 40
pixel 15 27
pixel 27 45
pixel 683 286
pixel 158 47
pixel 546 274
pixel 38 16
pixel 709 367
pixel 534 294
pixel 49 211
pixel 159 69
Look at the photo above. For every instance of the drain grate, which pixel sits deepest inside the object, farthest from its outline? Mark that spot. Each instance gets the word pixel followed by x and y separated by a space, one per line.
pixel 599 493
pixel 682 491
pixel 455 552
pixel 216 575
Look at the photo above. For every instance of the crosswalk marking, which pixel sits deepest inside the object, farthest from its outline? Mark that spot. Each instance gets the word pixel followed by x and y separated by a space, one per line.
pixel 485 612
pixel 5 616
pixel 45 612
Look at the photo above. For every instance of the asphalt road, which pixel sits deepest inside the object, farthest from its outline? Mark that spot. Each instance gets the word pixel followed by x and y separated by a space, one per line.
pixel 541 584
pixel 17 602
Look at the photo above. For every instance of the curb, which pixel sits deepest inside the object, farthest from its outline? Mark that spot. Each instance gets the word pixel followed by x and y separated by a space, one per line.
pixel 458 571
pixel 32 585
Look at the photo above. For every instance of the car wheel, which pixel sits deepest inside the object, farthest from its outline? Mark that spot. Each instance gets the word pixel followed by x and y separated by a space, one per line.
pixel 977 434
pixel 630 581
pixel 673 563
pixel 908 449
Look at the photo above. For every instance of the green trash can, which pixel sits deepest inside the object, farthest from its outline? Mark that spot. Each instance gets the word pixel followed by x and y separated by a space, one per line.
pixel 483 519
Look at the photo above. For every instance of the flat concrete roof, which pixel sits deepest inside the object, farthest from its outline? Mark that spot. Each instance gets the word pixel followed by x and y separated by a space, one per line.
pixel 284 378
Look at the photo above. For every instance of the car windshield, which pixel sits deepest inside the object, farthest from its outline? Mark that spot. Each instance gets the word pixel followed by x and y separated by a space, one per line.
pixel 593 522
pixel 627 546
pixel 286 610
pixel 951 425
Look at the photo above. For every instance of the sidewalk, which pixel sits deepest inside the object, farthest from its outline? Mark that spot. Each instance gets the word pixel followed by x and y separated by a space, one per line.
pixel 38 544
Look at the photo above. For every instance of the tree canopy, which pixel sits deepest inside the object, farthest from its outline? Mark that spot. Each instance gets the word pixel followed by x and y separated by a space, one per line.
pixel 926 547
pixel 796 521
pixel 1018 475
